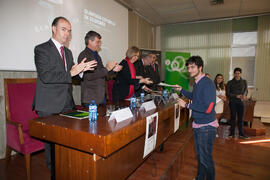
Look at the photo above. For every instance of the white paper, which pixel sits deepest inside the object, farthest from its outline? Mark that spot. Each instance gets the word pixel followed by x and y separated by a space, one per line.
pixel 220 92
pixel 218 100
pixel 147 106
pixel 176 116
pixel 164 84
pixel 150 134
pixel 121 115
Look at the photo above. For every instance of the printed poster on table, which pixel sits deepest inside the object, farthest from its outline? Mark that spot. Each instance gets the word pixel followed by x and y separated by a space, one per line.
pixel 176 116
pixel 151 133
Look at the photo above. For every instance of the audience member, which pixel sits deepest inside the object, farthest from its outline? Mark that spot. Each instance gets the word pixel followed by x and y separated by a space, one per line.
pixel 236 91
pixel 220 95
pixel 126 82
pixel 208 75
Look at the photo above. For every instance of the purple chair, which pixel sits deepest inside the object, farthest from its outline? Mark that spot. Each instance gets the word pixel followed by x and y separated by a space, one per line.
pixel 109 85
pixel 19 94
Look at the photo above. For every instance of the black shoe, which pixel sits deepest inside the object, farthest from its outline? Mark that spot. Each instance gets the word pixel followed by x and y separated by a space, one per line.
pixel 244 136
pixel 231 136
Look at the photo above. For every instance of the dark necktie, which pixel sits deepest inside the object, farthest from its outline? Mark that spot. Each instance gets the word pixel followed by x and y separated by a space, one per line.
pixel 154 67
pixel 63 55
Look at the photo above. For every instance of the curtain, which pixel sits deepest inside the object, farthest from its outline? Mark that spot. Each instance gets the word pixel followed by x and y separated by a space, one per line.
pixel 210 40
pixel 262 73
pixel 140 32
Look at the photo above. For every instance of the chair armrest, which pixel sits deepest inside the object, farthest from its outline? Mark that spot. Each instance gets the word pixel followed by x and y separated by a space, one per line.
pixel 19 127
pixel 14 123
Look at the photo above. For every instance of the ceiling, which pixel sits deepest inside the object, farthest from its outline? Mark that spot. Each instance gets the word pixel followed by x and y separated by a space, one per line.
pixel 160 12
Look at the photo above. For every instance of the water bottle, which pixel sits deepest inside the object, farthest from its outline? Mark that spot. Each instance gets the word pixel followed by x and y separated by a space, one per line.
pixel 142 97
pixel 93 111
pixel 133 102
pixel 164 94
pixel 93 127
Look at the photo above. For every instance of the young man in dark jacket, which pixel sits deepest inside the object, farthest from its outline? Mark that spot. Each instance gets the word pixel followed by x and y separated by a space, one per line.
pixel 236 91
pixel 203 112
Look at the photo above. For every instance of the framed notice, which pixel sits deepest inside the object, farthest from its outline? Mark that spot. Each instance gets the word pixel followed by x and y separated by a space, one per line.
pixel 151 134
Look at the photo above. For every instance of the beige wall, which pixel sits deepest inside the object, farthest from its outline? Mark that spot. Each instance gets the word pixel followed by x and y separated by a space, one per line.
pixel 140 32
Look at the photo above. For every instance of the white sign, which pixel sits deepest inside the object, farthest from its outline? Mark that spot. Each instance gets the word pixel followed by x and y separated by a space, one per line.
pixel 121 115
pixel 177 113
pixel 150 133
pixel 147 106
pixel 116 126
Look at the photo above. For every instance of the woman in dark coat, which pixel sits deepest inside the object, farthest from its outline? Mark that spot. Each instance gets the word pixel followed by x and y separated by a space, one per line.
pixel 126 82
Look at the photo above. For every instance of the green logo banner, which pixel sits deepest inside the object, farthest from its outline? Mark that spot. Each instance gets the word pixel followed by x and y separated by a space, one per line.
pixel 175 69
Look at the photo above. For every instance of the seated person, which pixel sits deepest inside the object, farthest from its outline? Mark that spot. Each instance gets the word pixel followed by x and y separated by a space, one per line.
pixel 220 95
pixel 126 82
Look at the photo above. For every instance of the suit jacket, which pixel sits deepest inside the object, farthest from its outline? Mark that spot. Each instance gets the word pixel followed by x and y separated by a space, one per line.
pixel 122 82
pixel 54 85
pixel 93 85
pixel 154 76
pixel 140 69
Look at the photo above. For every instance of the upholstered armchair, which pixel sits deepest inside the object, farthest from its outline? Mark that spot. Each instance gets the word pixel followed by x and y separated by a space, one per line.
pixel 19 95
pixel 248 112
pixel 109 85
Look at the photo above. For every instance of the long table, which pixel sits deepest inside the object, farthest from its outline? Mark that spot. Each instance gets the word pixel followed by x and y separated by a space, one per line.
pixel 109 150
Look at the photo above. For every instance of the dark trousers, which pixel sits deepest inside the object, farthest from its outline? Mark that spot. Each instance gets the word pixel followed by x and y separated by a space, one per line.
pixel 204 138
pixel 49 147
pixel 237 107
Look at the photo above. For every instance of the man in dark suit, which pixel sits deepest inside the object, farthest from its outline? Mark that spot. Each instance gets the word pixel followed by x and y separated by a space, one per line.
pixel 141 66
pixel 55 67
pixel 153 72
pixel 93 85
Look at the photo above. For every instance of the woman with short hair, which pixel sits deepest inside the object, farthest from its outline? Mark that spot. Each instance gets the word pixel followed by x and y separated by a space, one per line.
pixel 126 82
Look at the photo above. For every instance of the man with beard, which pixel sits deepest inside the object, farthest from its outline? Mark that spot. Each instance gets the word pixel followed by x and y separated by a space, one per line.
pixel 203 113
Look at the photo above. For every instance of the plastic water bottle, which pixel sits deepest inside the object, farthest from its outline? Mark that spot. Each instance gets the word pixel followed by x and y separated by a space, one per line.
pixel 142 97
pixel 133 102
pixel 93 127
pixel 164 94
pixel 93 111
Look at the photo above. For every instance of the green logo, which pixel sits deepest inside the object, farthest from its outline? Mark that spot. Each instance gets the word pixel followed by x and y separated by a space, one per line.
pixel 175 69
